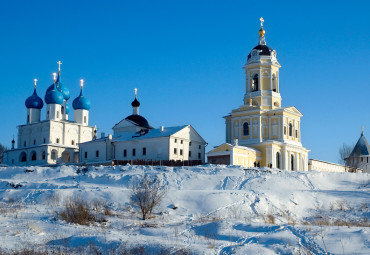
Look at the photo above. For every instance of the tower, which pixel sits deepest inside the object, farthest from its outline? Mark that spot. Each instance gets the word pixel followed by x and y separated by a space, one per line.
pixel 262 75
pixel 81 106
pixel 261 122
pixel 54 100
pixel 34 105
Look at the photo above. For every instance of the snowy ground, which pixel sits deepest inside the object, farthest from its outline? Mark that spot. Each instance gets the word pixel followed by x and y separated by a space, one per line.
pixel 220 210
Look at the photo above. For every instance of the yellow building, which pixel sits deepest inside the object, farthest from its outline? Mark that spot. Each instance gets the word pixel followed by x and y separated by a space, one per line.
pixel 261 122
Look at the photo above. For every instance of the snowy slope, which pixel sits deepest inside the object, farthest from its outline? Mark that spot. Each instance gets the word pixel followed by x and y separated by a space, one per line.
pixel 220 210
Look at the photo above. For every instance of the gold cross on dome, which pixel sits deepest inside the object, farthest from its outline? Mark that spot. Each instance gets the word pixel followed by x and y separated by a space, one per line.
pixel 262 20
pixel 59 63
pixel 82 83
pixel 135 92
pixel 35 80
pixel 55 76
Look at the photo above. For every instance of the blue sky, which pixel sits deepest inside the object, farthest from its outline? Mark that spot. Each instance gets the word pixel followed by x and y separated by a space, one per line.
pixel 186 59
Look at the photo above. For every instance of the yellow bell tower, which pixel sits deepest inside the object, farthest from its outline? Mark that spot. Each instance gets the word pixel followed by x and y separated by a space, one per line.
pixel 262 75
pixel 262 123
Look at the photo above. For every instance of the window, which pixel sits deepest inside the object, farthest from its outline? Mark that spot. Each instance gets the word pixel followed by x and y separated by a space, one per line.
pixel 97 154
pixel 175 151
pixel 34 142
pixel 284 130
pixel 73 142
pixel 274 83
pixel 12 161
pixel 181 141
pixel 33 156
pixel 362 159
pixel 43 155
pixel 144 151
pixel 23 157
pixel 189 143
pixel 24 144
pixel 255 82
pixel 58 140
pixel 84 119
pixel 175 140
pixel 62 109
pixel 133 152
pixel 125 153
pixel 245 129
pixel 85 154
pixel 57 114
pixel 47 115
pixel 200 147
pixel 181 152
pixel 290 129
pixel 199 155
pixel 292 162
pixel 53 154
pixel 44 140
pixel 296 133
pixel 277 160
pixel 189 154
pixel 28 118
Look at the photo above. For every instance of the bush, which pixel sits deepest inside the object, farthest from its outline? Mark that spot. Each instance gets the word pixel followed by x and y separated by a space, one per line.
pixel 76 210
pixel 147 195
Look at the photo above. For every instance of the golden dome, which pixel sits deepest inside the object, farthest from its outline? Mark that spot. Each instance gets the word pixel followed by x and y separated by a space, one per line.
pixel 261 32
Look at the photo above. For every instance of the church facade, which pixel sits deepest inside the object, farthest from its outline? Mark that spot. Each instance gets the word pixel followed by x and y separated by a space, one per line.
pixel 262 123
pixel 55 139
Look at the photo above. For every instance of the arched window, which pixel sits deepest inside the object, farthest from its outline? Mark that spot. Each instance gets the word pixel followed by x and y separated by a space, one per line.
pixel 23 157
pixel 292 162
pixel 274 83
pixel 54 154
pixel 290 129
pixel 62 110
pixel 43 155
pixel 255 82
pixel 277 160
pixel 245 129
pixel 33 155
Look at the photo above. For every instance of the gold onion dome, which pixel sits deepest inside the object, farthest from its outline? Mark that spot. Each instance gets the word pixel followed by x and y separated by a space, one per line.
pixel 261 32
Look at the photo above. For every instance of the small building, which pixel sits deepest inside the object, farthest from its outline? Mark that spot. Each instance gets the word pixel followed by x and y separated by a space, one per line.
pixel 134 139
pixel 229 154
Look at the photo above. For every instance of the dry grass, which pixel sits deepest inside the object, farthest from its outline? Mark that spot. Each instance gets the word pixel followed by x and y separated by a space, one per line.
pixel 78 211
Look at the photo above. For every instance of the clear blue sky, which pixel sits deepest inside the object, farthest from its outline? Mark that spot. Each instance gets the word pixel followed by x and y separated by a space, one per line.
pixel 186 59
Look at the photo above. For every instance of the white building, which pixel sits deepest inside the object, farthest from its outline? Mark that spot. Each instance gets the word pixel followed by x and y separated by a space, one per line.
pixel 55 139
pixel 360 155
pixel 134 139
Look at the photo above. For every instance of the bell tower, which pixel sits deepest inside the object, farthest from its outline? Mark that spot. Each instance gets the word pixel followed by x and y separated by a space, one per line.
pixel 262 76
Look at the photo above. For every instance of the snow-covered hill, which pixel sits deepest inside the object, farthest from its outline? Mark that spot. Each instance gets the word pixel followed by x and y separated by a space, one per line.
pixel 218 210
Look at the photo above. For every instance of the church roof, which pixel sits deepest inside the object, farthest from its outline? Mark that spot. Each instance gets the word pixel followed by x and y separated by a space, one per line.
pixel 361 148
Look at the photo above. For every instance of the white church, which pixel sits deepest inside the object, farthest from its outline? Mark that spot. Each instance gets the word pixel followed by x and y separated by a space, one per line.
pixel 55 139
pixel 58 140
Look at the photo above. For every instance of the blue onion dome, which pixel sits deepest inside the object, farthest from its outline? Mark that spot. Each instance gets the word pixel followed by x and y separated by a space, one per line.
pixel 81 103
pixel 67 108
pixel 63 89
pixel 53 96
pixel 34 101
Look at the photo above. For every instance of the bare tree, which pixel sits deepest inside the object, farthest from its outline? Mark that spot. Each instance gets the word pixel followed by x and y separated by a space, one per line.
pixel 344 152
pixel 147 194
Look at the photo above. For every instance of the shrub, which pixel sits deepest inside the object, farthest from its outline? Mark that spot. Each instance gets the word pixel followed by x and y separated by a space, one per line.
pixel 146 195
pixel 76 210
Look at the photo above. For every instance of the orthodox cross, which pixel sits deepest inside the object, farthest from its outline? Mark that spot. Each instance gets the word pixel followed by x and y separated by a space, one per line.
pixel 135 92
pixel 35 80
pixel 261 19
pixel 55 76
pixel 59 63
pixel 82 83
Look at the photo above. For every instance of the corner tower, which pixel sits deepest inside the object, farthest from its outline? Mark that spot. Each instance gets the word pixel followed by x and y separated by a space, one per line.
pixel 262 75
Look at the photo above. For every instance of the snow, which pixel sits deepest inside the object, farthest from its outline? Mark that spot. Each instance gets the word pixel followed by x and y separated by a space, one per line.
pixel 219 210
